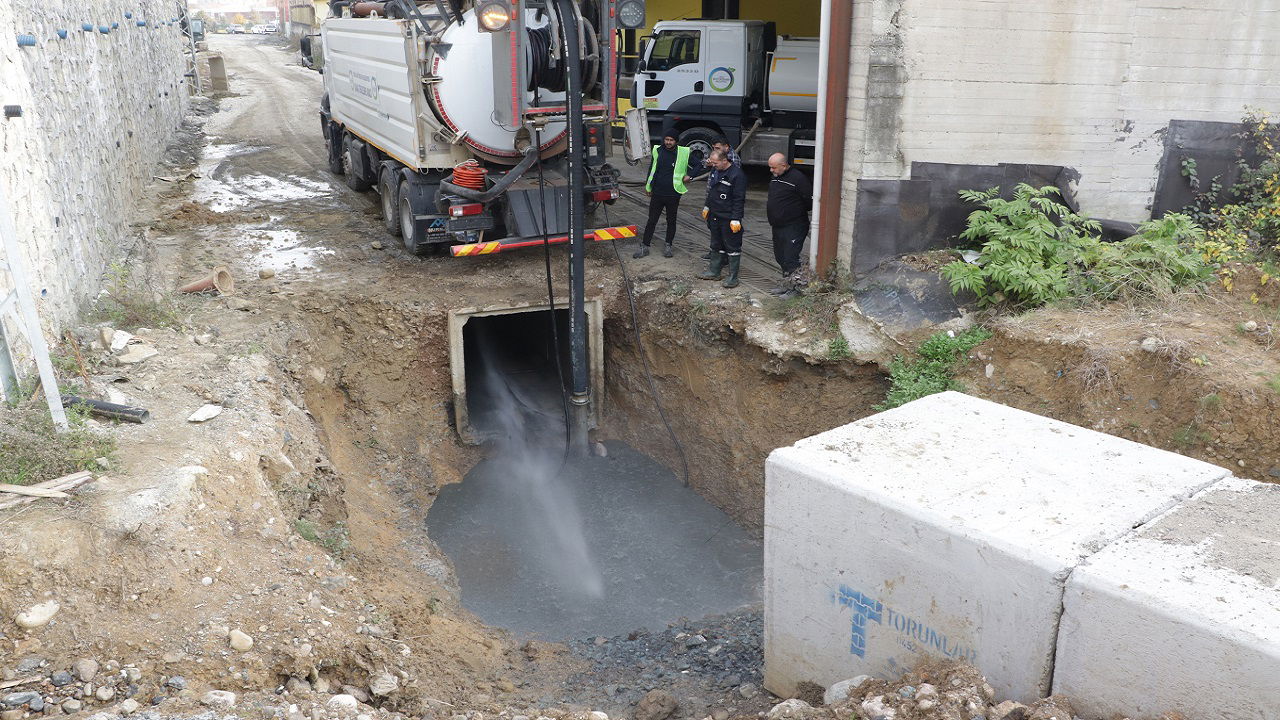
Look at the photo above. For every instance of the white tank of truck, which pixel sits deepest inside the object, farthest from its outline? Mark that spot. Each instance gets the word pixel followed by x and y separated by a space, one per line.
pixel 793 77
pixel 439 107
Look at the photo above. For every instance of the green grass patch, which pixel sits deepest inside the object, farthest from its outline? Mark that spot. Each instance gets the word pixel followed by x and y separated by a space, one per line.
pixel 932 371
pixel 838 349
pixel 334 540
pixel 32 451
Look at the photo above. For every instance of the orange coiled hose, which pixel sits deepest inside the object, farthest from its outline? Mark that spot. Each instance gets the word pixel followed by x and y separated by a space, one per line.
pixel 471 174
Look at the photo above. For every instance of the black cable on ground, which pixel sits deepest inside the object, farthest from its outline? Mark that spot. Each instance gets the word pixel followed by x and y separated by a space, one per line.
pixel 644 357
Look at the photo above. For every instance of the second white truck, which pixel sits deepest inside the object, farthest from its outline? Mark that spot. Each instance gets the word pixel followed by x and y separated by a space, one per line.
pixel 735 79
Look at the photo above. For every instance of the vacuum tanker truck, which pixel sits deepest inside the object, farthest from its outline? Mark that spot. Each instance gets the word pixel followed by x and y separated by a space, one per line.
pixel 456 113
pixel 735 79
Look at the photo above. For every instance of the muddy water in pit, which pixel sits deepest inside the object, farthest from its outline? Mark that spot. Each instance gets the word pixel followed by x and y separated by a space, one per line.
pixel 654 550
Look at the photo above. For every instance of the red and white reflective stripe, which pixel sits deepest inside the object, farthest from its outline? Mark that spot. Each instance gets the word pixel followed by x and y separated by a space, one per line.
pixel 493 247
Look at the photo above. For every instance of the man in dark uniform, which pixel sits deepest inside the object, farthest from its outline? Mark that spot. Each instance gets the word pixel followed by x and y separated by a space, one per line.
pixel 668 173
pixel 790 196
pixel 726 202
pixel 713 175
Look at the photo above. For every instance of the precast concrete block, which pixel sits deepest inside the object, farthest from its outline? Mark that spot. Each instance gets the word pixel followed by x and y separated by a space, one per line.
pixel 945 528
pixel 1183 615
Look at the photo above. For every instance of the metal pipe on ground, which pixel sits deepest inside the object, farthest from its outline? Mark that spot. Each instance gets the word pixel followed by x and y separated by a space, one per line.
pixel 112 411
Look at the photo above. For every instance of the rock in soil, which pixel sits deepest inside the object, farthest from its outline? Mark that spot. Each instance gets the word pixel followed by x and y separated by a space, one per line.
pixel 238 640
pixel 656 705
pixel 37 615
pixel 218 698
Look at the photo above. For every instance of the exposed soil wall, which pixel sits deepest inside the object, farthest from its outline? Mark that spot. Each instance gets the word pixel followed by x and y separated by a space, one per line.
pixel 729 402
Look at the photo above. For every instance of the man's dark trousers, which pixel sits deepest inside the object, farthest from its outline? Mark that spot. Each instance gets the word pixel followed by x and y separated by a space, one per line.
pixel 788 240
pixel 723 239
pixel 657 205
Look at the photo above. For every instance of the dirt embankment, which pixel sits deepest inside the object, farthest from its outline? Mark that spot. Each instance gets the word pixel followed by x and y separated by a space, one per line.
pixel 729 402
pixel 1200 377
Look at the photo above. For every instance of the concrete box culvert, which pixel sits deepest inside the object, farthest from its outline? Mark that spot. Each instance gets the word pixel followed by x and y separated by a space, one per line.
pixel 516 332
pixel 945 528
pixel 1182 615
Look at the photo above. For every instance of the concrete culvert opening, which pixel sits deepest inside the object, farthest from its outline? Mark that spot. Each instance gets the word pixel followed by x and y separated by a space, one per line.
pixel 564 546
pixel 503 362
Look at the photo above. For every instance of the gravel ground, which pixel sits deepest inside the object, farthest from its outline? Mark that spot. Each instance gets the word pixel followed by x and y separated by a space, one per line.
pixel 708 665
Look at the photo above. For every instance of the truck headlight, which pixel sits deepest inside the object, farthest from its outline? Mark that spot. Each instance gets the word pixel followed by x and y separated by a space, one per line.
pixel 494 16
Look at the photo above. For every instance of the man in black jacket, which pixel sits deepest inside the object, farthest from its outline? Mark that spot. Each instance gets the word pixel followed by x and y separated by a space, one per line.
pixel 790 196
pixel 726 202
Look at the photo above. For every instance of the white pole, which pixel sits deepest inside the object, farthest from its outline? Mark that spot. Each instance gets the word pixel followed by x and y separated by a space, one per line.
pixel 27 309
pixel 824 35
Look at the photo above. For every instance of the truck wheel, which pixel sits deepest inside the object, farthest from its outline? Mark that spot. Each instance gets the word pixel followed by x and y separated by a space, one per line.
pixel 698 140
pixel 333 143
pixel 349 167
pixel 389 189
pixel 414 243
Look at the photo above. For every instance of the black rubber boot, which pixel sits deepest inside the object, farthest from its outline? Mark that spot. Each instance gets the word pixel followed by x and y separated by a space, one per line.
pixel 667 251
pixel 713 267
pixel 642 252
pixel 735 261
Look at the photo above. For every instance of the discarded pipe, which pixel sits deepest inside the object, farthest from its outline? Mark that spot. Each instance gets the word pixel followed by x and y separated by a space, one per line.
pixel 62 34
pixel 12 111
pixel 25 40
pixel 218 279
pixel 87 27
pixel 112 411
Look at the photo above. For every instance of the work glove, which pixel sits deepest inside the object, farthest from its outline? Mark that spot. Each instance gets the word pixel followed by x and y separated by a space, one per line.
pixel 735 226
pixel 705 212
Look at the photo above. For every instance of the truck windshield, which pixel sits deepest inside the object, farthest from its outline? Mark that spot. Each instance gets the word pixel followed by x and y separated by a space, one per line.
pixel 672 48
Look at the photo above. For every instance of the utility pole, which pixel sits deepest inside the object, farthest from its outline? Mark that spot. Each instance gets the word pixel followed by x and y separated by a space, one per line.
pixel 579 364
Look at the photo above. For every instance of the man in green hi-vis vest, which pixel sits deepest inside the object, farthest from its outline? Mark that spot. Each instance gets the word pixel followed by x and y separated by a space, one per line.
pixel 668 174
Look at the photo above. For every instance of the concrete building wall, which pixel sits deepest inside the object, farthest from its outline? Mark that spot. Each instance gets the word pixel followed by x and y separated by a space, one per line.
pixel 1091 86
pixel 98 111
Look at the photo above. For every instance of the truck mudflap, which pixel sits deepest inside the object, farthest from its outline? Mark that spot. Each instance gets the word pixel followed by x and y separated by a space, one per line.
pixel 494 247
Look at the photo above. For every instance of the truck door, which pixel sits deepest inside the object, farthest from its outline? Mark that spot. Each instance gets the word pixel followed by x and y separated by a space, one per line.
pixel 729 76
pixel 672 80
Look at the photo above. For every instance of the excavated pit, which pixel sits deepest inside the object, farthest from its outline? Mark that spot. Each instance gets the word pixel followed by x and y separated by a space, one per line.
pixel 565 546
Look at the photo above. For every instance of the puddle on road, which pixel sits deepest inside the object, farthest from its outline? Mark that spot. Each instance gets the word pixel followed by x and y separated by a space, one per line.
pixel 279 250
pixel 255 189
pixel 226 190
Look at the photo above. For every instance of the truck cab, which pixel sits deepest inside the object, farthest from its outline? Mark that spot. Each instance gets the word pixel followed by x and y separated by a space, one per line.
pixel 734 79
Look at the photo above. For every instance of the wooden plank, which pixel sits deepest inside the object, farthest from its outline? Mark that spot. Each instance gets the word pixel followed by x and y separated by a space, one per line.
pixel 57 485
pixel 32 491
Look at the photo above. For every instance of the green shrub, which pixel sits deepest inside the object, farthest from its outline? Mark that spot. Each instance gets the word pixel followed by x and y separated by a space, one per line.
pixel 1030 245
pixel 1161 258
pixel 1034 251
pixel 931 372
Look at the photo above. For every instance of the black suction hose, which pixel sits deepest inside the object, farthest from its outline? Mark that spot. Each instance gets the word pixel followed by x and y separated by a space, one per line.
pixel 530 157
